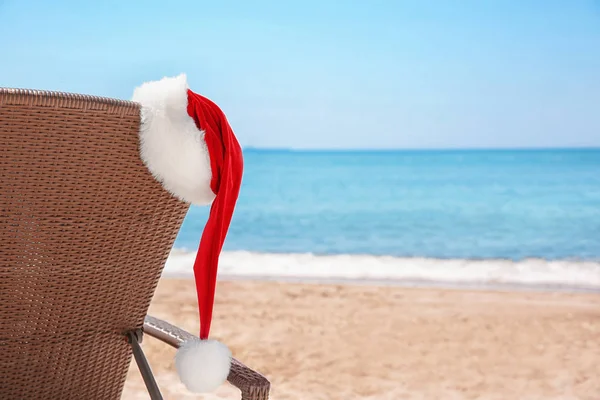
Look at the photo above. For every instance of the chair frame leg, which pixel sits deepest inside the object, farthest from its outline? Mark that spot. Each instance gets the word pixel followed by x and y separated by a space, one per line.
pixel 135 338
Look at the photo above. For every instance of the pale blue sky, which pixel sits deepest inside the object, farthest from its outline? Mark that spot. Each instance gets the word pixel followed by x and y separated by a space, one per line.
pixel 329 74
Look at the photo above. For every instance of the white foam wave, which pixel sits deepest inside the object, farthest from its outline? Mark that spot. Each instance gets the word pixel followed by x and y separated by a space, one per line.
pixel 530 272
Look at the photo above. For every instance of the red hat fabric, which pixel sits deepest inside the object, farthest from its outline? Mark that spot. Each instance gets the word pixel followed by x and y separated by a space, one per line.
pixel 226 163
pixel 188 145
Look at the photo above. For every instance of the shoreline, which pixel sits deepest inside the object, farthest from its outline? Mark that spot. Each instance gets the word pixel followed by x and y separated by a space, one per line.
pixel 505 275
pixel 180 251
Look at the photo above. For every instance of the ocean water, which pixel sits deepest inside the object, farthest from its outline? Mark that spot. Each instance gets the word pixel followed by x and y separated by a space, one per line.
pixel 431 204
pixel 459 217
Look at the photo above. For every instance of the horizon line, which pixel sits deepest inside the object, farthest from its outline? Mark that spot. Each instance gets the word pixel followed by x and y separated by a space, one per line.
pixel 416 149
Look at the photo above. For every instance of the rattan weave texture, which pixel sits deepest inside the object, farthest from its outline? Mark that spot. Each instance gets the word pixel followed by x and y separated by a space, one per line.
pixel 84 234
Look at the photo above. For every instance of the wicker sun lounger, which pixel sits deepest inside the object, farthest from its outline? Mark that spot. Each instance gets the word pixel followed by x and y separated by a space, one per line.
pixel 85 231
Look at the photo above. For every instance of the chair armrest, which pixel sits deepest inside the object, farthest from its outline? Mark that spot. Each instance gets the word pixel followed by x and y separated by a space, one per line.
pixel 253 385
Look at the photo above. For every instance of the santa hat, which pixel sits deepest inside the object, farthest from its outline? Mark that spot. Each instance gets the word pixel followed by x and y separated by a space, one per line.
pixel 188 145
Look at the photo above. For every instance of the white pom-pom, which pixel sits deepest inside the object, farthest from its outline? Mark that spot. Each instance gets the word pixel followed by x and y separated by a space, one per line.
pixel 203 365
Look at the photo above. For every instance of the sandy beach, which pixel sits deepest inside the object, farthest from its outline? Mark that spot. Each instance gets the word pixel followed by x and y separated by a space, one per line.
pixel 327 341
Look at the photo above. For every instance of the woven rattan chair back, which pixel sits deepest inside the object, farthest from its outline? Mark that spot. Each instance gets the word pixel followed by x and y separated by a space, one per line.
pixel 84 234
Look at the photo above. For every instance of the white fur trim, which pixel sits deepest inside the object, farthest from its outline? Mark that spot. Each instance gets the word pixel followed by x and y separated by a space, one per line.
pixel 203 365
pixel 171 145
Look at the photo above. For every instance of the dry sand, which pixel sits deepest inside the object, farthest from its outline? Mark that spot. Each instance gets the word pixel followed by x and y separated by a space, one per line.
pixel 364 342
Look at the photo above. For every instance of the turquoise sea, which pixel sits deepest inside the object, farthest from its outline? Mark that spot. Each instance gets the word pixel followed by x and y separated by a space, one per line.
pixel 476 204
